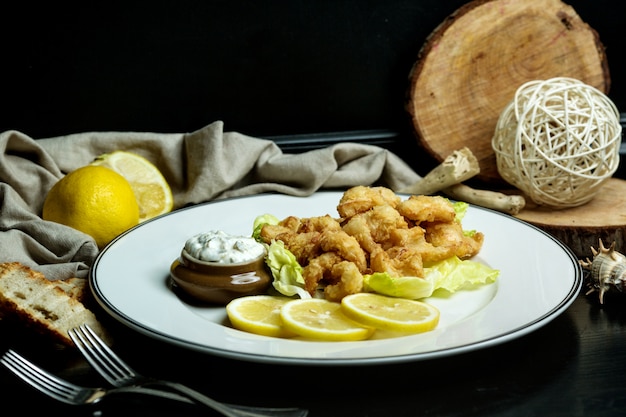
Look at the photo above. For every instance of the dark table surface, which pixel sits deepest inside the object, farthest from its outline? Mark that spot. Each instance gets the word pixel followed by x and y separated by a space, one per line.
pixel 575 365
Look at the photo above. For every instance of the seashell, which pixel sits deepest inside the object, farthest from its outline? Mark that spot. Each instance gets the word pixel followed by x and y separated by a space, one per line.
pixel 607 270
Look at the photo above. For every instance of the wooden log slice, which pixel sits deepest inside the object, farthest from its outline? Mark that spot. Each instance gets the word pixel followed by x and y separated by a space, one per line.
pixel 580 228
pixel 471 65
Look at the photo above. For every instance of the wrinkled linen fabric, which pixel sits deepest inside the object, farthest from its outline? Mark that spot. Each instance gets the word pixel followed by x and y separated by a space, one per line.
pixel 205 165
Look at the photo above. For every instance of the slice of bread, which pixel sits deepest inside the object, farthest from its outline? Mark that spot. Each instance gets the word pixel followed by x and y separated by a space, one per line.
pixel 49 307
pixel 74 287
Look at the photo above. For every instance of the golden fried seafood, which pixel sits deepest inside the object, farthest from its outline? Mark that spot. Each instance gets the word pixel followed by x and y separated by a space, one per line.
pixel 291 222
pixel 299 225
pixel 450 235
pixel 414 238
pixel 288 224
pixel 346 280
pixel 318 269
pixel 397 261
pixel 304 246
pixel 338 277
pixel 319 224
pixel 360 198
pixel 374 227
pixel 422 208
pixel 377 232
pixel 269 232
pixel 345 246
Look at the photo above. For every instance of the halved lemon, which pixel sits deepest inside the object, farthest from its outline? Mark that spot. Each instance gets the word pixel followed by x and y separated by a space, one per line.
pixel 390 313
pixel 153 193
pixel 259 314
pixel 320 319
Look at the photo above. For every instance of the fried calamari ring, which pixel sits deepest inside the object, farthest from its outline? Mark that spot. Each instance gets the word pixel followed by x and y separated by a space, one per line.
pixel 318 269
pixel 346 280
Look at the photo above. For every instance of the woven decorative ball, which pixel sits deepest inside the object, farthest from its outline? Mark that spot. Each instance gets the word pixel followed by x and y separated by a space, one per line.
pixel 557 141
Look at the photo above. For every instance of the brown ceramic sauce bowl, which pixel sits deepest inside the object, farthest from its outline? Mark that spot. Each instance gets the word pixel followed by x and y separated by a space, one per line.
pixel 217 282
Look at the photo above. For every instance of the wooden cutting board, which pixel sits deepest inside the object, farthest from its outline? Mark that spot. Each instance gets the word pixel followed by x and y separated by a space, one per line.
pixel 471 65
pixel 579 228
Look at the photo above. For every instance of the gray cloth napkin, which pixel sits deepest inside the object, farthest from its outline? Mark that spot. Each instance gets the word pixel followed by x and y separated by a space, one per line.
pixel 205 165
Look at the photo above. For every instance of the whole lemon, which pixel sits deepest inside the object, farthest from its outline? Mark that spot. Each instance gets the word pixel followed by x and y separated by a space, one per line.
pixel 95 200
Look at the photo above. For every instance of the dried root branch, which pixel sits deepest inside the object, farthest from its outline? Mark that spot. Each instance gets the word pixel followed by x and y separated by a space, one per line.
pixel 511 204
pixel 459 166
pixel 447 177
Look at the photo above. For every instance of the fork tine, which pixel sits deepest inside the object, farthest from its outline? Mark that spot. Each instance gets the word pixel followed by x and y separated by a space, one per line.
pixel 27 368
pixel 104 367
pixel 119 374
pixel 104 349
pixel 38 378
pixel 65 391
pixel 100 356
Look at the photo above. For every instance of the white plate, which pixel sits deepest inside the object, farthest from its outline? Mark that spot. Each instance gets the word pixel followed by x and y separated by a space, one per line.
pixel 539 278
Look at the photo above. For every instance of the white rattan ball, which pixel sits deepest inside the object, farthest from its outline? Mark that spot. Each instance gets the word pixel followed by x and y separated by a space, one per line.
pixel 558 141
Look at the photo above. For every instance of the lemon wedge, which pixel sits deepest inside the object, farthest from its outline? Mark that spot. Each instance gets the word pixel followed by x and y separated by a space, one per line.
pixel 320 319
pixel 258 314
pixel 390 313
pixel 153 193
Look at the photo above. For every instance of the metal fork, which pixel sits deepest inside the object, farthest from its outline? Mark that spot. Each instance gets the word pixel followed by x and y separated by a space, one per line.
pixel 119 374
pixel 68 392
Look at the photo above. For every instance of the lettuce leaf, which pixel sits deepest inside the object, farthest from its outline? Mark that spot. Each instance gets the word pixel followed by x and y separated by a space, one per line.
pixel 286 271
pixel 454 274
pixel 460 208
pixel 283 265
pixel 402 287
pixel 451 275
pixel 260 221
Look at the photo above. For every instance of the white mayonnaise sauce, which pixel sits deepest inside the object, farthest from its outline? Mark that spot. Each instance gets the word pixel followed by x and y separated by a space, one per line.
pixel 218 246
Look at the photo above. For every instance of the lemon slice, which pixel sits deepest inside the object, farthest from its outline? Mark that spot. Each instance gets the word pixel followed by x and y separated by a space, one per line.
pixel 152 191
pixel 316 318
pixel 390 313
pixel 258 314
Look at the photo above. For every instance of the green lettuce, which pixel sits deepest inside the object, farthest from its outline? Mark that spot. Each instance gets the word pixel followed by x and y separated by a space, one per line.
pixel 403 287
pixel 460 208
pixel 283 265
pixel 454 274
pixel 286 271
pixel 259 222
pixel 451 275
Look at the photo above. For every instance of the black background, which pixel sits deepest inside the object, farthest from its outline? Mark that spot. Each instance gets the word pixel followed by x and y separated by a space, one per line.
pixel 265 68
